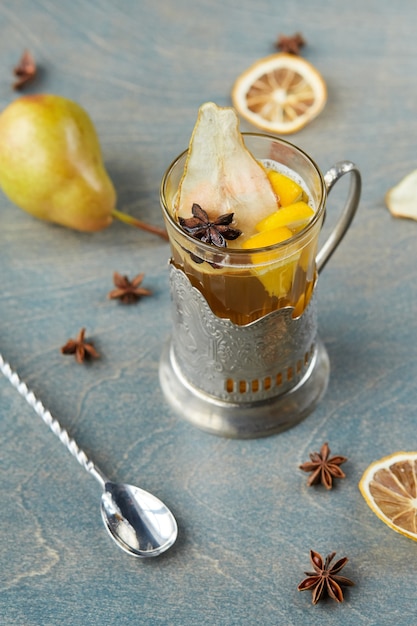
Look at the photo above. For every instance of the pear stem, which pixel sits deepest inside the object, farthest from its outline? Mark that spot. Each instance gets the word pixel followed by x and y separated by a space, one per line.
pixel 132 221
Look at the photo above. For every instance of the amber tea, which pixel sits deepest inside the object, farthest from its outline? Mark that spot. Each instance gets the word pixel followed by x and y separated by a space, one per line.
pixel 267 269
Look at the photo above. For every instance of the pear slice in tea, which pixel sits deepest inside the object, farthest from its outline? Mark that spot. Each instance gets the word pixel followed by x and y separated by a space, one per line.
pixel 222 176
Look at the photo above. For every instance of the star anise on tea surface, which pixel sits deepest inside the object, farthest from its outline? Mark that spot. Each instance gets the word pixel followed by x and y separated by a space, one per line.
pixel 202 228
pixel 25 71
pixel 128 291
pixel 323 467
pixel 290 45
pixel 80 347
pixel 325 579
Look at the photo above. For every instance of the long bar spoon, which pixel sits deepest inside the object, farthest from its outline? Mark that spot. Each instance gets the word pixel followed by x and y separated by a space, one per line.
pixel 136 520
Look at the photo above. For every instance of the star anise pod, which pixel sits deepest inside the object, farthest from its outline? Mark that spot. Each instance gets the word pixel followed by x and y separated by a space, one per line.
pixel 291 45
pixel 25 71
pixel 325 579
pixel 128 291
pixel 202 228
pixel 323 467
pixel 80 348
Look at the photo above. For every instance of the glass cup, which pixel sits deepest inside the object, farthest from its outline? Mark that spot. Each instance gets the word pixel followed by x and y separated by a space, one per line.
pixel 244 358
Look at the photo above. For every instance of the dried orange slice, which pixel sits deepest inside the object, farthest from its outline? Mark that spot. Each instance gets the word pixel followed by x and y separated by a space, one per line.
pixel 389 487
pixel 280 93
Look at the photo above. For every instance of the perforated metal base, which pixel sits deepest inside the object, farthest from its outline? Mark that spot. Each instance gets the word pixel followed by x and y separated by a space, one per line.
pixel 245 420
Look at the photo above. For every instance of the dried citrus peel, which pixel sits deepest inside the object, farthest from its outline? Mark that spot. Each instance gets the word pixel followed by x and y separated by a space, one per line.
pixel 280 93
pixel 389 487
pixel 401 200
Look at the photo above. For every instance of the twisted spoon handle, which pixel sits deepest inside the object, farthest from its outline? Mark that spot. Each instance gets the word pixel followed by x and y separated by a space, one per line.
pixel 52 422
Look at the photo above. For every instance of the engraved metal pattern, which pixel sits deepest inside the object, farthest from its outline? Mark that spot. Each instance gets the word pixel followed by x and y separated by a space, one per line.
pixel 239 364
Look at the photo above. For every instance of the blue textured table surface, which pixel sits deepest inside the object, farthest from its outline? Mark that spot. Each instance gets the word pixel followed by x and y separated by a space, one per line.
pixel 247 520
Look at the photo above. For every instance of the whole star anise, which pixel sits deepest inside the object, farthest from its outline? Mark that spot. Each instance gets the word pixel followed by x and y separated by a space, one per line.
pixel 323 467
pixel 202 228
pixel 325 579
pixel 291 45
pixel 25 71
pixel 128 291
pixel 80 348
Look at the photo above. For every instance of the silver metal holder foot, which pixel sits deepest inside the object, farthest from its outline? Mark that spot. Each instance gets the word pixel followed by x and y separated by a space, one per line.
pixel 245 420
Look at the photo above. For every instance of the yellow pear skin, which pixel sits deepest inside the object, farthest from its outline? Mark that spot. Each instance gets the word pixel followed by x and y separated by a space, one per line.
pixel 51 164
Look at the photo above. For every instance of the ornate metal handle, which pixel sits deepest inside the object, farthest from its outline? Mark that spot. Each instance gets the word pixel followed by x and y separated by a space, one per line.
pixel 331 177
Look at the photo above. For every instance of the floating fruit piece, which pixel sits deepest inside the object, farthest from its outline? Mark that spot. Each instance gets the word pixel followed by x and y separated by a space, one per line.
pixel 389 487
pixel 221 175
pixel 293 216
pixel 401 200
pixel 278 281
pixel 280 93
pixel 276 278
pixel 303 300
pixel 277 274
pixel 51 165
pixel 267 238
pixel 287 190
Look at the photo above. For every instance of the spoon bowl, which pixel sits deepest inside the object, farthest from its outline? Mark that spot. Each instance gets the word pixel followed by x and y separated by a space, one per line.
pixel 137 520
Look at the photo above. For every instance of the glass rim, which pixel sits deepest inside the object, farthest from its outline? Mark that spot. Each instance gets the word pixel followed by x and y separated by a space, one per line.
pixel 241 251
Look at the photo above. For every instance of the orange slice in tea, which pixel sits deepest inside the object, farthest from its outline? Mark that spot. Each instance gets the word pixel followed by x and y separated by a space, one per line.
pixel 389 487
pixel 276 276
pixel 267 238
pixel 280 93
pixel 287 190
pixel 294 216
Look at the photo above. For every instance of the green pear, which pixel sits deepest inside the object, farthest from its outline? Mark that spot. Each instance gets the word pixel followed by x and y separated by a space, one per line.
pixel 51 164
